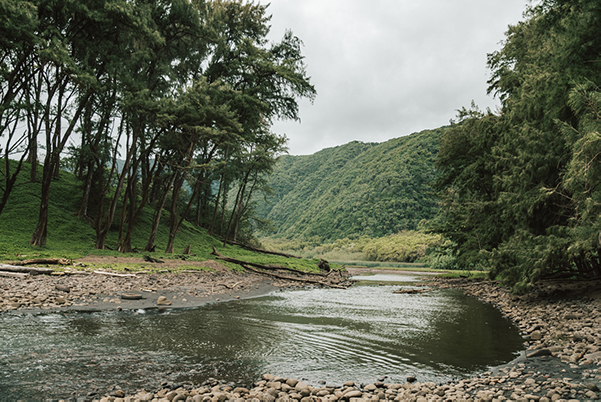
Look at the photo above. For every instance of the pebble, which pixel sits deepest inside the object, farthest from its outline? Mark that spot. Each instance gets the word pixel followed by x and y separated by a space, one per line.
pixel 562 332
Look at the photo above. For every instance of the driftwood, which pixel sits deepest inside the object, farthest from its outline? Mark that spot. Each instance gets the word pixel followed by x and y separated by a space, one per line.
pixel 258 250
pixel 261 266
pixel 225 285
pixel 52 261
pixel 28 270
pixel 14 274
pixel 114 274
pixel 288 278
pixel 228 286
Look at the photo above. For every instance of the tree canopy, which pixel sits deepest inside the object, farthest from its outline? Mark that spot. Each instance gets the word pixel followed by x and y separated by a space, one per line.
pixel 148 103
pixel 519 187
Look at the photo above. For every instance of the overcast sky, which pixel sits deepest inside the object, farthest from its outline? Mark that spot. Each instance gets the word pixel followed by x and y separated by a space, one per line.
pixel 387 68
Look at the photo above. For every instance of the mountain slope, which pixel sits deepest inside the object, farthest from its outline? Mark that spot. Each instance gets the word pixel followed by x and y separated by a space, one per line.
pixel 354 189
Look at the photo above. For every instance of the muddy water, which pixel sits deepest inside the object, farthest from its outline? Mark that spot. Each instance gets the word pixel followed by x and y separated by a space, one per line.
pixel 320 335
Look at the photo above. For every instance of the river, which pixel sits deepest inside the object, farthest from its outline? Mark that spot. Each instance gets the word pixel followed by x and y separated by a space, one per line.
pixel 328 336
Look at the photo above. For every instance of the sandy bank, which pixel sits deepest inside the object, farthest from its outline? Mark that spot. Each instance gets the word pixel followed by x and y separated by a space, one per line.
pixel 84 290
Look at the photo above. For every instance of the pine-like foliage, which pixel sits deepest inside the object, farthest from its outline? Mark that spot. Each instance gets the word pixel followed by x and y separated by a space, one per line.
pixel 520 187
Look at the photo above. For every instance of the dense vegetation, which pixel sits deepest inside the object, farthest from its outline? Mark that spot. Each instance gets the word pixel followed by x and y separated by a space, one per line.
pixel 407 246
pixel 354 190
pixel 73 237
pixel 184 92
pixel 520 188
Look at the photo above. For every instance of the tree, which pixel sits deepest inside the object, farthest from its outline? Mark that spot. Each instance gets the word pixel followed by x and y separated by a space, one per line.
pixel 539 138
pixel 17 48
pixel 258 161
pixel 66 87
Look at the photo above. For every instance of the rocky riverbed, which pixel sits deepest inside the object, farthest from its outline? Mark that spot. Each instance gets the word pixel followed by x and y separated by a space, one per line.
pixel 561 325
pixel 99 290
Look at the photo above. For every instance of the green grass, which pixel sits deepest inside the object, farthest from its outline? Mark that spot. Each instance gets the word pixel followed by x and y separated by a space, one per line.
pixel 72 237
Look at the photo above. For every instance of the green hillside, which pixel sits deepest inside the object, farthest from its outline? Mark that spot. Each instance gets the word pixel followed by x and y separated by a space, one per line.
pixel 66 231
pixel 70 236
pixel 354 189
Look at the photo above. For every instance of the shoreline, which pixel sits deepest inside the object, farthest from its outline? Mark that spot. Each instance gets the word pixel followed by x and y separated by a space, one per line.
pixel 85 291
pixel 552 368
pixel 561 324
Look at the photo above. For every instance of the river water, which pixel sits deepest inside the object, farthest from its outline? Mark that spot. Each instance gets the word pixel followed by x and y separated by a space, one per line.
pixel 319 335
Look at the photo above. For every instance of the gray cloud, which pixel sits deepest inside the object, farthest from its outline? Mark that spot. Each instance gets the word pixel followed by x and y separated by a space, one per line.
pixel 387 68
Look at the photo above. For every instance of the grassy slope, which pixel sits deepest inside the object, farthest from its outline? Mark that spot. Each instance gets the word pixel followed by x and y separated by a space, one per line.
pixel 72 237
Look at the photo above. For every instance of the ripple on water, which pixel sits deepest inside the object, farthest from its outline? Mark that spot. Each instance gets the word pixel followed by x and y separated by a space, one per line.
pixel 334 335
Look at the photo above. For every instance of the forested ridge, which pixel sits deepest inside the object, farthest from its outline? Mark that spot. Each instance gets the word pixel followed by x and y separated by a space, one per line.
pixel 354 189
pixel 184 93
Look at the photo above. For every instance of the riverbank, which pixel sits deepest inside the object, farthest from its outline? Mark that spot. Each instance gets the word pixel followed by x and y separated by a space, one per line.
pixel 100 290
pixel 561 325
pixel 560 322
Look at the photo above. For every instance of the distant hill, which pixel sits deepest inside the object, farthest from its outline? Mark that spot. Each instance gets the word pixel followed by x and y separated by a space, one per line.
pixel 373 189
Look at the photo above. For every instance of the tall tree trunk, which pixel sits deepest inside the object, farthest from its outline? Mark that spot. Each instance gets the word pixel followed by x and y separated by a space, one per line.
pixel 33 159
pixel 38 238
pixel 173 217
pixel 83 209
pixel 103 226
pixel 10 179
pixel 243 207
pixel 234 209
pixel 157 217
pixel 55 143
pixel 145 194
pixel 33 129
pixel 221 183
pixel 174 228
pixel 128 209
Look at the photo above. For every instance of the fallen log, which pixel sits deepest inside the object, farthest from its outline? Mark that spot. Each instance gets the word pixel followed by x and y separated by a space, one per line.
pixel 28 270
pixel 115 274
pixel 259 250
pixel 51 261
pixel 305 280
pixel 14 274
pixel 261 266
pixel 148 258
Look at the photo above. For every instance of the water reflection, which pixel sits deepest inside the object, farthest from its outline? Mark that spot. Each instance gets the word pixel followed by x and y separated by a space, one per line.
pixel 321 334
